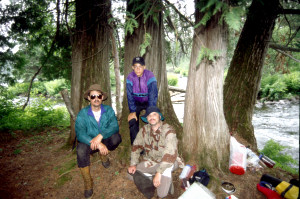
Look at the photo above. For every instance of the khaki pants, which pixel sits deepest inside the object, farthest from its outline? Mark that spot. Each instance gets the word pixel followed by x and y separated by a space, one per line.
pixel 166 178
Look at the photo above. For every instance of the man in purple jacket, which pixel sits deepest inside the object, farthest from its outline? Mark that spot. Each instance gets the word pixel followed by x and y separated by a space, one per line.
pixel 141 86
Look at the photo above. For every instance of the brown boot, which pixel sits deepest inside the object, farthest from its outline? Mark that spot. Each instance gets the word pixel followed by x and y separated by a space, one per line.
pixel 105 161
pixel 88 182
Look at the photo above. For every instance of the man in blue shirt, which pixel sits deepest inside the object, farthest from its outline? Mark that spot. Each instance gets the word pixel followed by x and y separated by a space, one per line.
pixel 141 86
pixel 97 130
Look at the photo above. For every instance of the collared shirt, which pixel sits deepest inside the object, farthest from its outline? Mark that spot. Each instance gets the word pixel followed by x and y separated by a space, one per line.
pixel 160 146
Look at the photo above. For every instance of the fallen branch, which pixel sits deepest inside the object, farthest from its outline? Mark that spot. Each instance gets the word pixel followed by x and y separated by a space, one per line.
pixel 65 95
pixel 176 89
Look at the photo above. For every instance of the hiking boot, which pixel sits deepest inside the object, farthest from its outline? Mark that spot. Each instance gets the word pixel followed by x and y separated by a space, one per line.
pixel 88 182
pixel 144 184
pixel 105 161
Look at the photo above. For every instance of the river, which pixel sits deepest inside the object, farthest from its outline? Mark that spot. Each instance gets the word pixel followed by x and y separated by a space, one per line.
pixel 272 120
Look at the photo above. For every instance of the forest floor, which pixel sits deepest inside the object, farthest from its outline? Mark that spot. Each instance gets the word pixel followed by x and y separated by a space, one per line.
pixel 40 166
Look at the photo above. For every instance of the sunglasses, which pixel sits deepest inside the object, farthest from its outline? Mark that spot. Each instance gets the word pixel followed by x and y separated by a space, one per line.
pixel 94 96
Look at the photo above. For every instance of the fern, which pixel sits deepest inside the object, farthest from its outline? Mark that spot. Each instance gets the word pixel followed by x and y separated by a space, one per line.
pixel 130 24
pixel 145 44
pixel 233 18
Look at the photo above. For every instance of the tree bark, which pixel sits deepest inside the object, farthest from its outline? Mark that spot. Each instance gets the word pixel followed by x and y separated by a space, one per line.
pixel 206 137
pixel 243 79
pixel 90 52
pixel 117 74
pixel 155 62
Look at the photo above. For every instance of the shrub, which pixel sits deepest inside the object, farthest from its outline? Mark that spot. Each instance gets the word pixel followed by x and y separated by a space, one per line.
pixel 40 113
pixel 172 80
pixel 292 82
pixel 177 70
pixel 273 87
pixel 273 150
pixel 54 87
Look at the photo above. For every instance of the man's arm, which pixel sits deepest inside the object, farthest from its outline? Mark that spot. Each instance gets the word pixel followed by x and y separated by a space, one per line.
pixel 169 152
pixel 130 98
pixel 81 130
pixel 152 91
pixel 137 148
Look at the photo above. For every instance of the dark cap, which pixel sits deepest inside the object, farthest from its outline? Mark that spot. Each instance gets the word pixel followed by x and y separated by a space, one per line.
pixel 149 110
pixel 139 60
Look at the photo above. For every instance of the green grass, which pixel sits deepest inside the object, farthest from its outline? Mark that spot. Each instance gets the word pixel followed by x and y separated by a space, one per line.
pixel 274 150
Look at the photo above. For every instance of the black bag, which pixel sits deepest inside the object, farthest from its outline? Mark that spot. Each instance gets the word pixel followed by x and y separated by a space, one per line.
pixel 144 184
pixel 200 176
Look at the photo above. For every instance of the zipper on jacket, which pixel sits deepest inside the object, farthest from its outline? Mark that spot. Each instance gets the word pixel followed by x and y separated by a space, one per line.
pixel 140 83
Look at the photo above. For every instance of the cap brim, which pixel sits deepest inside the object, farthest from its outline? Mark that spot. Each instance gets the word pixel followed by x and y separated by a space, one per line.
pixel 144 117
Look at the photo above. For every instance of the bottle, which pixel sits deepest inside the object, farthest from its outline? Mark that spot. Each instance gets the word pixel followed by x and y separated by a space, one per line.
pixel 253 159
pixel 270 163
pixel 185 171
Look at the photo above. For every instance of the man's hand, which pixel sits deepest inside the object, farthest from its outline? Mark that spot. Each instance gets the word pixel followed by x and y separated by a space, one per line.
pixel 131 169
pixel 103 149
pixel 96 141
pixel 131 116
pixel 156 179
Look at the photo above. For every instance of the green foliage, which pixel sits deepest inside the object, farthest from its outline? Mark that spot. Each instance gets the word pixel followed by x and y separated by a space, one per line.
pixel 274 150
pixel 181 71
pixel 208 54
pixel 172 80
pixel 278 86
pixel 50 88
pixel 233 17
pixel 130 24
pixel 40 113
pixel 145 44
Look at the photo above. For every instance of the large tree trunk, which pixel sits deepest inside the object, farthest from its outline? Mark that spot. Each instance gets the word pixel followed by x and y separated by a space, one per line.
pixel 155 61
pixel 90 52
pixel 243 78
pixel 206 136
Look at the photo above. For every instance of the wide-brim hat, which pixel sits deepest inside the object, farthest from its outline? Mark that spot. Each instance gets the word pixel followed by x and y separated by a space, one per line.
pixel 95 87
pixel 149 110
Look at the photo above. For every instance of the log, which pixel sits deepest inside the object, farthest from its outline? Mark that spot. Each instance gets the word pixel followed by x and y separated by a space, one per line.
pixel 65 95
pixel 176 89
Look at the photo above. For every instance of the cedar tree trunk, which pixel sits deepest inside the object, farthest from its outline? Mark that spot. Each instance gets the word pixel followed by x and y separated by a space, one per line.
pixel 90 52
pixel 243 78
pixel 206 136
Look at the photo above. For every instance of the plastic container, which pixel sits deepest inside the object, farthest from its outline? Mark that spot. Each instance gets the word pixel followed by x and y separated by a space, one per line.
pixel 196 191
pixel 252 159
pixel 267 161
pixel 185 171
pixel 237 159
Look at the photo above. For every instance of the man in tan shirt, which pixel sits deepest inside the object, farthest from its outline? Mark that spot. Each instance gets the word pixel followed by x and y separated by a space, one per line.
pixel 159 142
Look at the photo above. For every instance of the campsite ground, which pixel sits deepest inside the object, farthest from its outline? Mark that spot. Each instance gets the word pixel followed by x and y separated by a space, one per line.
pixel 40 166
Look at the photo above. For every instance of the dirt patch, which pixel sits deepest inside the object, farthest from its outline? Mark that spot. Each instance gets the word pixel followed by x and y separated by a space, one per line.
pixel 39 166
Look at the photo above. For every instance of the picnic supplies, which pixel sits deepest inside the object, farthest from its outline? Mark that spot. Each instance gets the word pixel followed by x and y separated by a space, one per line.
pixel 196 191
pixel 228 187
pixel 266 160
pixel 287 190
pixel 185 171
pixel 201 177
pixel 237 159
pixel 283 188
pixel 269 193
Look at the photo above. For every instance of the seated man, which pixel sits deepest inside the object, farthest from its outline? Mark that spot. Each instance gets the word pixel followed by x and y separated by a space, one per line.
pixel 97 130
pixel 159 142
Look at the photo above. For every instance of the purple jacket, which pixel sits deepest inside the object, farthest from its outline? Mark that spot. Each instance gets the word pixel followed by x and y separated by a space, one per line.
pixel 141 89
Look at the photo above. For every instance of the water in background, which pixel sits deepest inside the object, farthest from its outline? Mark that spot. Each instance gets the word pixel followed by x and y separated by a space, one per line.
pixel 273 120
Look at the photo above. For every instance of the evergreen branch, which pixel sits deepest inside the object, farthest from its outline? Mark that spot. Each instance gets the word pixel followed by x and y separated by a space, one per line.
pixel 290 11
pixel 283 48
pixel 179 13
pixel 171 25
pixel 286 54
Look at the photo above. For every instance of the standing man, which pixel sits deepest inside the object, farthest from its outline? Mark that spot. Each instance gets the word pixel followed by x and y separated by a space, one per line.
pixel 159 142
pixel 97 130
pixel 142 92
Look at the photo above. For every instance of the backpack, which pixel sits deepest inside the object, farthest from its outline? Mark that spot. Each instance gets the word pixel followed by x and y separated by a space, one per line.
pixel 200 176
